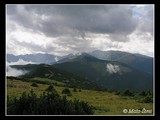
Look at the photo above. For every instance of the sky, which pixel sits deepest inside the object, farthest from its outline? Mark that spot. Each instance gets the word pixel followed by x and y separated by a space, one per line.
pixel 64 29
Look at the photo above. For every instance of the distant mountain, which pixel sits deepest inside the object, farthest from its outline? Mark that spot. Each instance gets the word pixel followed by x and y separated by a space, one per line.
pixel 88 71
pixel 40 58
pixel 137 61
pixel 35 58
pixel 65 58
pixel 12 58
pixel 109 74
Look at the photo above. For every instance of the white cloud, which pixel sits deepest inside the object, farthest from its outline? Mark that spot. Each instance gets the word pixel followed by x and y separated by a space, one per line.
pixel 20 62
pixel 56 59
pixel 140 42
pixel 61 30
pixel 112 68
pixel 14 72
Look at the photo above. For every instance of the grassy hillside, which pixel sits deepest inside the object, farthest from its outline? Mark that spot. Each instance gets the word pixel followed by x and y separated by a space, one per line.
pixel 97 71
pixel 86 71
pixel 49 71
pixel 105 103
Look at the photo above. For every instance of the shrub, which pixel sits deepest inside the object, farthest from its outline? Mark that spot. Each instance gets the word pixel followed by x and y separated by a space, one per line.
pixel 48 103
pixel 74 90
pixel 51 89
pixel 147 99
pixel 117 93
pixel 66 91
pixel 149 93
pixel 143 93
pixel 80 90
pixel 34 85
pixel 127 93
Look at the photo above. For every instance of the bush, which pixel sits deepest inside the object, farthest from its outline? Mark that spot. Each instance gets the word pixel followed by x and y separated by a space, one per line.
pixel 34 85
pixel 147 99
pixel 149 93
pixel 80 90
pixel 127 93
pixel 143 93
pixel 50 88
pixel 74 90
pixel 66 91
pixel 48 103
pixel 117 93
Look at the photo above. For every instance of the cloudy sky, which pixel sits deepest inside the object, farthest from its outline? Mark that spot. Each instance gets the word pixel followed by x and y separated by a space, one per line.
pixel 64 29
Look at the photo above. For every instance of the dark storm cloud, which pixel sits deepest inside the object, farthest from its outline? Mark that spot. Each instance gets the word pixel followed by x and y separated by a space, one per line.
pixel 77 44
pixel 63 29
pixel 74 20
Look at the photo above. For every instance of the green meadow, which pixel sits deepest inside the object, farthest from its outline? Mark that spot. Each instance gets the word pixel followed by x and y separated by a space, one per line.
pixel 104 102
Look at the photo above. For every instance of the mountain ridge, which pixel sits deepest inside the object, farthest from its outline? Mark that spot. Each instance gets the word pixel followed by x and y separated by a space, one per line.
pixel 122 75
pixel 137 61
pixel 110 75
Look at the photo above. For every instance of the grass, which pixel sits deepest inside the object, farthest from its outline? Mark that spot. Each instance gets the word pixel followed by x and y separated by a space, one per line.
pixel 20 86
pixel 49 81
pixel 105 103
